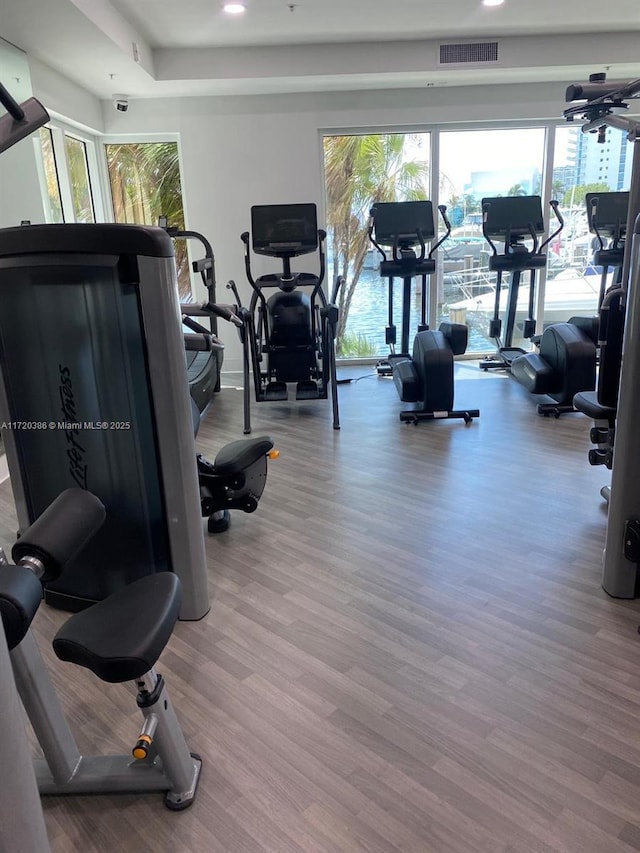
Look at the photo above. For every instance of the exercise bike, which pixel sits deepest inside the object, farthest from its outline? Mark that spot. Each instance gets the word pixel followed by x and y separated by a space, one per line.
pixel 289 337
pixel 426 375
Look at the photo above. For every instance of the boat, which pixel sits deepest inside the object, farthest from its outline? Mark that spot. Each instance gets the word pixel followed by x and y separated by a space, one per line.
pixel 570 293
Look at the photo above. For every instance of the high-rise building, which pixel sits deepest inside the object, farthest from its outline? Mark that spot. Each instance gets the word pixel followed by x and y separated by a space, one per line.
pixel 608 162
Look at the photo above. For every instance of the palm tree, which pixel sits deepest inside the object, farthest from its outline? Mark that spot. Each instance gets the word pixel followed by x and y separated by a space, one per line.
pixel 517 189
pixel 361 170
pixel 557 189
pixel 145 184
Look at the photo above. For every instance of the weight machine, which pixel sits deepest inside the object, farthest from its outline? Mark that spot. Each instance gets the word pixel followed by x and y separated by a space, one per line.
pixel 603 104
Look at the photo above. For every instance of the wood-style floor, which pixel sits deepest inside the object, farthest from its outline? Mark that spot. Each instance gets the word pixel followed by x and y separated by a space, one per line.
pixel 408 648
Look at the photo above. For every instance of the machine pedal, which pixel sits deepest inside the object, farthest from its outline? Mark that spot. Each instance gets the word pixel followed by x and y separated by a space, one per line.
pixel 276 391
pixel 307 390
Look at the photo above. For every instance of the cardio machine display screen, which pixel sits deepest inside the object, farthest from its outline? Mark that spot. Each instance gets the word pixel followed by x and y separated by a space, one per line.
pixel 401 220
pixel 610 212
pixel 284 228
pixel 517 214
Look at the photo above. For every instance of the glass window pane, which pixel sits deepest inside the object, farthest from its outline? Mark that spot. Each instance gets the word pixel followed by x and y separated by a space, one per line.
pixel 581 165
pixel 476 164
pixel 53 200
pixel 145 184
pixel 360 170
pixel 79 178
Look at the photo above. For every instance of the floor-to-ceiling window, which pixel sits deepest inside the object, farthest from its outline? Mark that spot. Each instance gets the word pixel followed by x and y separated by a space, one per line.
pixel 360 170
pixel 145 185
pixel 477 164
pixel 581 166
pixel 473 164
pixel 69 176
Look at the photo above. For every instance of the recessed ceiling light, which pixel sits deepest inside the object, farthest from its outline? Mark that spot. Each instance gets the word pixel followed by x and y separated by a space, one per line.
pixel 234 8
pixel 492 2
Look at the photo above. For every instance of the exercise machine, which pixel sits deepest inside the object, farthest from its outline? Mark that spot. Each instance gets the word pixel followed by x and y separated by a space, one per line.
pixel 607 216
pixel 602 104
pixel 426 375
pixel 565 360
pixel 119 639
pixel 204 351
pixel 511 220
pixel 289 337
pixel 93 393
pixel 21 820
pixel 20 120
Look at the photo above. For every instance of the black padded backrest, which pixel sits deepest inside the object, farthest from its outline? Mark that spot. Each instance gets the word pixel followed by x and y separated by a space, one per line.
pixel 517 214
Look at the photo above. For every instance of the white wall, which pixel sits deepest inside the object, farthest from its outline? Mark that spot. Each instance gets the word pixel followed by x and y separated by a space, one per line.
pixel 20 196
pixel 240 151
pixel 19 186
pixel 64 97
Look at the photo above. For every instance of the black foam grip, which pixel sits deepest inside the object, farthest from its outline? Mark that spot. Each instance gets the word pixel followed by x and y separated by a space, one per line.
pixel 61 531
pixel 20 597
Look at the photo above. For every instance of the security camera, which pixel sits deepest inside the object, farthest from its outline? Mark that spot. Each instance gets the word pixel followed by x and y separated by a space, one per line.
pixel 120 103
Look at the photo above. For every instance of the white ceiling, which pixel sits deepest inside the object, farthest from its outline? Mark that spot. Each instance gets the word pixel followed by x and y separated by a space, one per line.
pixel 201 23
pixel 160 48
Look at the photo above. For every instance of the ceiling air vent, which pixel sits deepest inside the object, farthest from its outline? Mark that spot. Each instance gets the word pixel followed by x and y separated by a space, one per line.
pixel 456 54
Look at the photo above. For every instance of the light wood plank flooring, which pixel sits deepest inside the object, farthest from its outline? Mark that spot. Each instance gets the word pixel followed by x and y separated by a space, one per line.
pixel 408 648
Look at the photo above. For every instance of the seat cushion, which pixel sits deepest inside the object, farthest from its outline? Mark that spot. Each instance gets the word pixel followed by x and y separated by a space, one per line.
pixel 236 456
pixel 122 637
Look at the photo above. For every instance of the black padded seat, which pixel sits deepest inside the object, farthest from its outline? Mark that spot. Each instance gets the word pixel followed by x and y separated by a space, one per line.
pixel 121 638
pixel 236 456
pixel 587 403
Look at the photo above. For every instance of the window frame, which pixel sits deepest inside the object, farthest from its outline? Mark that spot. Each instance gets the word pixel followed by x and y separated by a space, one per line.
pixel 59 130
pixel 435 130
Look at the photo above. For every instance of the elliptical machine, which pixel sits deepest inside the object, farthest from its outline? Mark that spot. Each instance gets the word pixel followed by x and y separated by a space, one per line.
pixel 511 220
pixel 288 338
pixel 425 376
pixel 565 361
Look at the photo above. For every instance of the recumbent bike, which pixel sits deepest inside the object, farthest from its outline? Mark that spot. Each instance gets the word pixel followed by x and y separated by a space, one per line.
pixel 288 338
pixel 565 362
pixel 425 376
